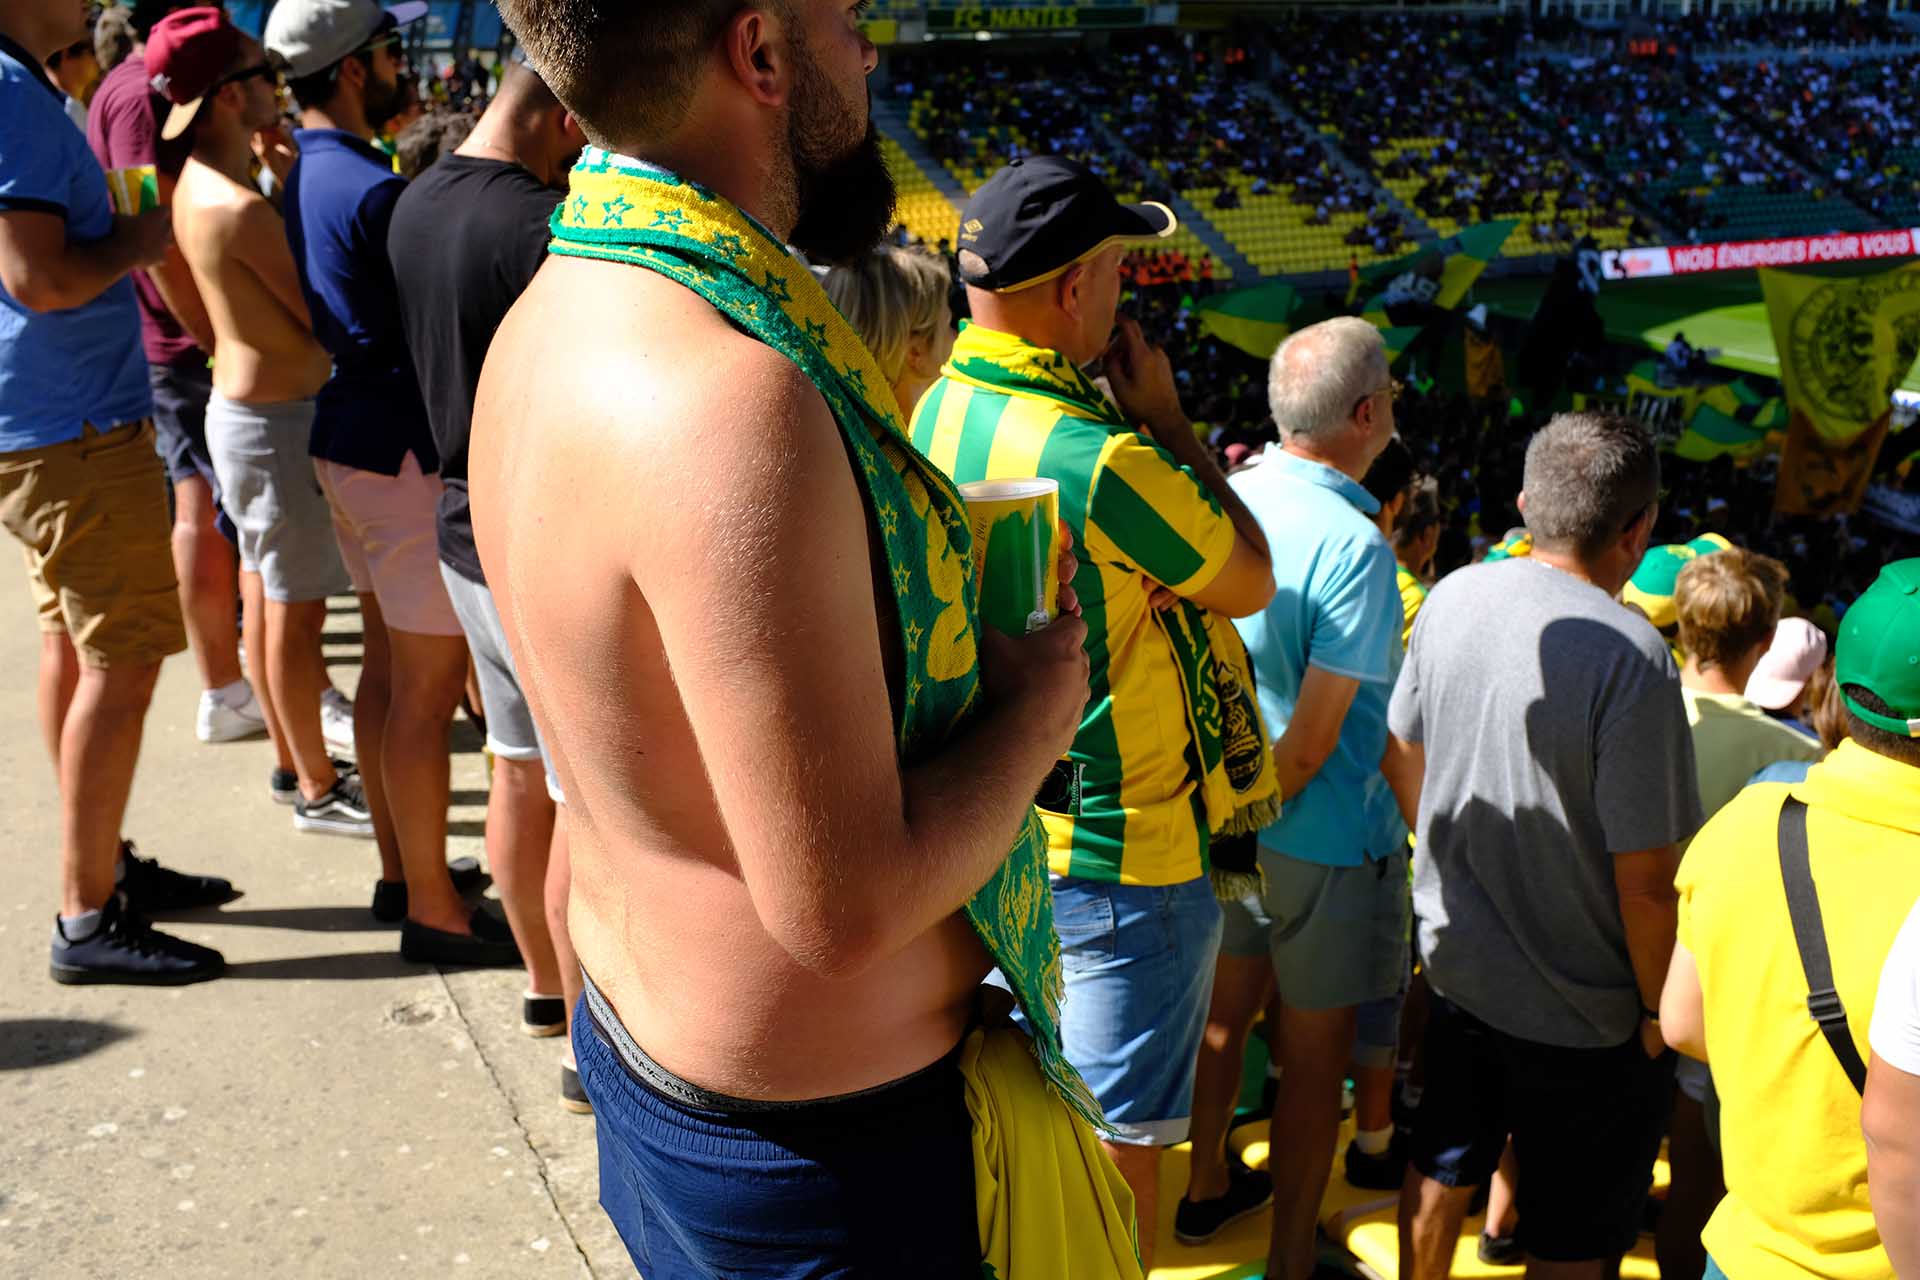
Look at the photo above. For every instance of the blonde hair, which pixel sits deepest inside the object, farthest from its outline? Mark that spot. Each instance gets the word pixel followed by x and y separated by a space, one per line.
pixel 1728 603
pixel 890 296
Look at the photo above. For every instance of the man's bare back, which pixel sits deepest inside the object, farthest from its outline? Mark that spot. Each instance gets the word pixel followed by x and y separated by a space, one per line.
pixel 236 245
pixel 685 567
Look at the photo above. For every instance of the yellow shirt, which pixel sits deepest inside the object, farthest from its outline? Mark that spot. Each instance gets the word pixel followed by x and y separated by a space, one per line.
pixel 1138 518
pixel 1796 1164
pixel 1733 739
pixel 1413 594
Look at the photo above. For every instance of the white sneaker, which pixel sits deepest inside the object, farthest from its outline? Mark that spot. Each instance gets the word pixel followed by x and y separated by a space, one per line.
pixel 218 721
pixel 336 722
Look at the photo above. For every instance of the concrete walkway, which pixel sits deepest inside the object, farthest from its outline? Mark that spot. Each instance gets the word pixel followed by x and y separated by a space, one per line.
pixel 325 1109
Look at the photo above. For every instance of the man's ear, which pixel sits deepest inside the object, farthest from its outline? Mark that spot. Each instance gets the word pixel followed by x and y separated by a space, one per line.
pixel 1068 288
pixel 756 52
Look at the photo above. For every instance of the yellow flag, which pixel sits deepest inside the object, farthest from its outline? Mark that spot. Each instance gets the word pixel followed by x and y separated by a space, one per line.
pixel 1843 344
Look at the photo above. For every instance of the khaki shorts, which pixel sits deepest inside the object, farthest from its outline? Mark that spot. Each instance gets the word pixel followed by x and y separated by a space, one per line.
pixel 91 515
pixel 389 533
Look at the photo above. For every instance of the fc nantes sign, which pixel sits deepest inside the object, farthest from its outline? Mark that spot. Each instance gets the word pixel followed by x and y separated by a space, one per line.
pixel 1034 19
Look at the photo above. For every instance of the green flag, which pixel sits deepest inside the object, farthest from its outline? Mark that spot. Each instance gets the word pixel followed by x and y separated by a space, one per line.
pixel 1710 433
pixel 1398 340
pixel 1440 273
pixel 1255 320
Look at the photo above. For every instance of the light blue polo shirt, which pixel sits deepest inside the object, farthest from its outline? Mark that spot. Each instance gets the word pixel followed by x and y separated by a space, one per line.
pixel 1337 607
pixel 63 369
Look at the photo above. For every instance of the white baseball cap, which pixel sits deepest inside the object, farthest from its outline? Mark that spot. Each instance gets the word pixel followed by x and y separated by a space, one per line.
pixel 312 35
pixel 1797 651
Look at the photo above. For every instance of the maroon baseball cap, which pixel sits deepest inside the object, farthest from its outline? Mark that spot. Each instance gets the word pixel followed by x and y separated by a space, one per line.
pixel 187 54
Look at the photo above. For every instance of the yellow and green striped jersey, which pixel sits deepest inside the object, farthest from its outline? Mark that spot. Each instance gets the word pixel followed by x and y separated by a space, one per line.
pixel 1413 594
pixel 1131 811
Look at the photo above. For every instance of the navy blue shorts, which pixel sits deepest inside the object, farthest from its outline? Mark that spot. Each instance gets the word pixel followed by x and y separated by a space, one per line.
pixel 701 1187
pixel 1586 1126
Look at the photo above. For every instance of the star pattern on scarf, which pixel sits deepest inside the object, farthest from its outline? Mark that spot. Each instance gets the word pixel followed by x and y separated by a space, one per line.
pixel 580 210
pixel 668 220
pixel 817 332
pixel 902 579
pixel 857 378
pixel 915 633
pixel 613 213
pixel 777 288
pixel 728 243
pixel 889 519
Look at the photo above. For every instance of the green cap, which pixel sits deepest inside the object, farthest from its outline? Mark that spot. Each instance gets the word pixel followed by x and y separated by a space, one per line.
pixel 1653 583
pixel 1879 649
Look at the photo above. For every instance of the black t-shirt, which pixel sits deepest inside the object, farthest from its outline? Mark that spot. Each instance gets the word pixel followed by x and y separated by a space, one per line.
pixel 467 236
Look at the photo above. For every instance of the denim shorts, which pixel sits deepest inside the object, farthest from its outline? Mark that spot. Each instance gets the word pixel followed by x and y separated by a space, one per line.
pixel 1586 1126
pixel 702 1186
pixel 1138 961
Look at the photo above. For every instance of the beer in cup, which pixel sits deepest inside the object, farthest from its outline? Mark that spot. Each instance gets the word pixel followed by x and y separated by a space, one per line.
pixel 1016 551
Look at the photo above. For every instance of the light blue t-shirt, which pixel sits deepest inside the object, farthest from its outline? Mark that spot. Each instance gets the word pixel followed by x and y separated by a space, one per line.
pixel 1337 608
pixel 63 369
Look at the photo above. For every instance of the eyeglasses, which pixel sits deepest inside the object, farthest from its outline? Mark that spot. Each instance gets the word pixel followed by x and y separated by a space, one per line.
pixel 265 70
pixel 388 39
pixel 1392 391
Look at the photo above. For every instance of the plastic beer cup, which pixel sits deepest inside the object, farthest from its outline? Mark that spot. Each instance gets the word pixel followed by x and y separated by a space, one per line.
pixel 1016 551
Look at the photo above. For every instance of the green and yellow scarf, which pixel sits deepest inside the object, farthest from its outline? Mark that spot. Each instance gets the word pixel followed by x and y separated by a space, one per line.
pixel 1238 781
pixel 623 210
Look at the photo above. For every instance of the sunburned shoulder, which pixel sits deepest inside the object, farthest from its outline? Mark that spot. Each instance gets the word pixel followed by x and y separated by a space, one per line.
pixel 654 363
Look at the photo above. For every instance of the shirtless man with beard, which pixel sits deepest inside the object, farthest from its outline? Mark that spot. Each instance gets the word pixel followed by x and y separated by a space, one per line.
pixel 767 897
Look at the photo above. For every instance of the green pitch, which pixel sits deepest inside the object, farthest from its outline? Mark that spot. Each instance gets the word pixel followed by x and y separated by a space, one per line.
pixel 1723 310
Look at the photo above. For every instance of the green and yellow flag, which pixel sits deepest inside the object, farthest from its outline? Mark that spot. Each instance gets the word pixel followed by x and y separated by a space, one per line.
pixel 1439 274
pixel 1256 320
pixel 1398 340
pixel 1843 344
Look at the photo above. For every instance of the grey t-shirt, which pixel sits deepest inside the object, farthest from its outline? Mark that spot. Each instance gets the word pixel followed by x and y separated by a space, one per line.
pixel 1555 738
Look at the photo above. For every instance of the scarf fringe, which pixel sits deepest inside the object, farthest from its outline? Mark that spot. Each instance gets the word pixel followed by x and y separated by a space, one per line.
pixel 1232 886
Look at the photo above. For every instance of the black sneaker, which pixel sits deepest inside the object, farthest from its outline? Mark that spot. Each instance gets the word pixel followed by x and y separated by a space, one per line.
pixel 572 1096
pixel 284 784
pixel 390 896
pixel 341 812
pixel 152 888
pixel 1248 1191
pixel 126 950
pixel 543 1016
pixel 1384 1172
pixel 490 945
pixel 1501 1251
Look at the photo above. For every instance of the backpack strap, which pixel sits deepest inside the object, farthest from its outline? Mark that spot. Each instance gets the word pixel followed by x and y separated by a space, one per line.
pixel 1810 935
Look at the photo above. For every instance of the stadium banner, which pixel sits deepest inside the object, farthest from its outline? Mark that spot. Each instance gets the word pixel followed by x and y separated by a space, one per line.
pixel 1747 255
pixel 1024 19
pixel 1255 320
pixel 1703 421
pixel 1844 345
pixel 1486 367
pixel 1438 275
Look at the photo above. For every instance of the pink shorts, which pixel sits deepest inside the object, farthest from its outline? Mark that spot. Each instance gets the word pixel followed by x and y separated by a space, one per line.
pixel 388 530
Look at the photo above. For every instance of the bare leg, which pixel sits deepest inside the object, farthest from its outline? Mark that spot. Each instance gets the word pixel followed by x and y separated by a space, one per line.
pixel 520 839
pixel 1372 1098
pixel 1431 1215
pixel 205 563
pixel 559 885
pixel 253 635
pixel 59 677
pixel 99 746
pixel 296 677
pixel 429 674
pixel 1698 1187
pixel 1314 1047
pixel 1140 1166
pixel 1503 1197
pixel 370 701
pixel 1241 985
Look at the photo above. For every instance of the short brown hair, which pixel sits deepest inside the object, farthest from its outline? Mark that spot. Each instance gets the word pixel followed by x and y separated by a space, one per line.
pixel 626 71
pixel 1728 603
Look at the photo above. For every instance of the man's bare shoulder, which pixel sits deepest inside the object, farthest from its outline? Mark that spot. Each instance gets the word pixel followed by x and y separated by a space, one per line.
pixel 216 207
pixel 639 357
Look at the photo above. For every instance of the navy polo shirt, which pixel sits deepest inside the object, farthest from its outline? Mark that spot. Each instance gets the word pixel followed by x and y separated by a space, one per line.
pixel 61 370
pixel 339 202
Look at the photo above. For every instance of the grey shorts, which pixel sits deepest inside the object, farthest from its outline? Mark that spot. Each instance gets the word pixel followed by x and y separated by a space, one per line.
pixel 269 489
pixel 511 732
pixel 1338 936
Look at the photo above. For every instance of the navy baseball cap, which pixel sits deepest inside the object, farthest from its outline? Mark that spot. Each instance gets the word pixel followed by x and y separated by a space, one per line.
pixel 1039 216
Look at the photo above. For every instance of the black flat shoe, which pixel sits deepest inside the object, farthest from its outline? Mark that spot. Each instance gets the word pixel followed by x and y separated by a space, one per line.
pixel 543 1016
pixel 151 887
pixel 390 896
pixel 490 945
